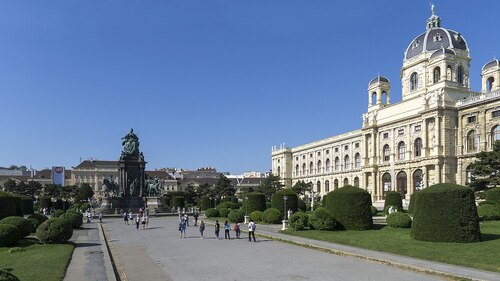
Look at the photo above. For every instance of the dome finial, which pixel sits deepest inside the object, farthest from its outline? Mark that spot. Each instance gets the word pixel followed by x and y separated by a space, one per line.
pixel 433 8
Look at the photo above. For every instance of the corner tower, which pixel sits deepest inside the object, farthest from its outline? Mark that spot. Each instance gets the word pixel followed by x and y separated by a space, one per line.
pixel 490 76
pixel 379 93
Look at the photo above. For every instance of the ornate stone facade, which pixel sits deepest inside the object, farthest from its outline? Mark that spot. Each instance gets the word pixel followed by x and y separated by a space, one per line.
pixel 430 137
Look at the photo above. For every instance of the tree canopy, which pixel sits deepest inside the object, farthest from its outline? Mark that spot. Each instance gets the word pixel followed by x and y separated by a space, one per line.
pixel 485 171
pixel 269 186
pixel 302 188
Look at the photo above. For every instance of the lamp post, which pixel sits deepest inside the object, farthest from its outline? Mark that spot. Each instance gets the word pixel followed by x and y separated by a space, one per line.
pixel 285 221
pixel 64 200
pixel 312 200
pixel 246 209
pixel 53 200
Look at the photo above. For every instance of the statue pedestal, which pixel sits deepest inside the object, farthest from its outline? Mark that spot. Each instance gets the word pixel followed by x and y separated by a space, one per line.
pixel 154 202
pixel 285 225
pixel 111 204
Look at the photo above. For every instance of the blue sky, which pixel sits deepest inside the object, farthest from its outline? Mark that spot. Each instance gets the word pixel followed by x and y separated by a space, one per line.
pixel 204 83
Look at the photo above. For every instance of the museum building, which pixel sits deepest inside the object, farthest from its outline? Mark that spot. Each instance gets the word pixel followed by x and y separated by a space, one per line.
pixel 430 137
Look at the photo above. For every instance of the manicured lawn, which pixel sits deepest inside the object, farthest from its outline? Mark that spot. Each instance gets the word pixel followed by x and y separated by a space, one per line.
pixel 33 261
pixel 483 255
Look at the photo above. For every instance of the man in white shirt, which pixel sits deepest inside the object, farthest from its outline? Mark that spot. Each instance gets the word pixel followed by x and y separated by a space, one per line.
pixel 251 231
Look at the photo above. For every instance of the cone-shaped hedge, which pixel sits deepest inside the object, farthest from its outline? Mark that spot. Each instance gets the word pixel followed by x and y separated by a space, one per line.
pixel 411 207
pixel 9 205
pixel 493 195
pixel 446 213
pixel 351 208
pixel 393 198
pixel 256 202
pixel 278 203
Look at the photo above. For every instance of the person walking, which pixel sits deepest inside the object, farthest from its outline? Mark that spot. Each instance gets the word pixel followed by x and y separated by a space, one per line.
pixel 251 231
pixel 186 218
pixel 237 230
pixel 182 228
pixel 147 222
pixel 125 218
pixel 143 221
pixel 100 217
pixel 202 228
pixel 137 222
pixel 217 229
pixel 195 218
pixel 227 228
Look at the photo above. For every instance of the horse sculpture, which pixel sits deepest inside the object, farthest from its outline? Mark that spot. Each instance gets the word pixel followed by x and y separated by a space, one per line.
pixel 110 188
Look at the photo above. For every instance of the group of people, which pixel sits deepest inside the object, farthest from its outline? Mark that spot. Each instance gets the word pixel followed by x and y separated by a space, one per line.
pixel 142 218
pixel 184 223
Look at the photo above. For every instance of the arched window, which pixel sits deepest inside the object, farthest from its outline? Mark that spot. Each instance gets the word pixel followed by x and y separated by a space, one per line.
pixel 346 181
pixel 449 73
pixel 384 97
pixel 489 84
pixel 413 81
pixel 472 141
pixel 311 168
pixel 279 171
pixel 436 74
pixel 336 184
pixel 319 167
pixel 374 98
pixel 418 181
pixel 318 187
pixel 327 186
pixel 460 75
pixel 337 164
pixel 468 174
pixel 387 153
pixel 401 151
pixel 328 164
pixel 495 134
pixel 356 182
pixel 304 169
pixel 401 183
pixel 347 162
pixel 386 182
pixel 297 170
pixel 418 147
pixel 357 160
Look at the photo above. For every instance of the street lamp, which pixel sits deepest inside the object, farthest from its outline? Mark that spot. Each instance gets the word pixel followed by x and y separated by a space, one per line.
pixel 64 200
pixel 53 200
pixel 246 209
pixel 284 213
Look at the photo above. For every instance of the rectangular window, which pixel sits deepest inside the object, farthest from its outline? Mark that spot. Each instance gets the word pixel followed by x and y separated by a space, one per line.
pixel 401 132
pixel 327 151
pixel 495 113
pixel 336 149
pixel 319 153
pixel 471 119
pixel 356 145
pixel 346 147
pixel 310 155
pixel 418 128
pixel 385 136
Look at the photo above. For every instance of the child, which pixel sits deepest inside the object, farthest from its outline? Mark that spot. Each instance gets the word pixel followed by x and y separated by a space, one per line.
pixel 237 230
pixel 202 228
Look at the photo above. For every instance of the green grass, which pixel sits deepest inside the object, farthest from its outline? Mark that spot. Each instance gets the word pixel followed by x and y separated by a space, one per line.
pixel 30 260
pixel 482 255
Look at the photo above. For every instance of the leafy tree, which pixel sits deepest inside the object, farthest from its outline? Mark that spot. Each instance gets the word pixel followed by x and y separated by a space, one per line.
pixel 224 187
pixel 486 169
pixel 84 192
pixel 190 194
pixel 269 186
pixel 10 185
pixel 302 188
pixel 204 190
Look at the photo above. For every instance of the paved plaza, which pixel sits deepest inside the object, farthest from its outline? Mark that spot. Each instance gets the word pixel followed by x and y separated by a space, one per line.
pixel 160 254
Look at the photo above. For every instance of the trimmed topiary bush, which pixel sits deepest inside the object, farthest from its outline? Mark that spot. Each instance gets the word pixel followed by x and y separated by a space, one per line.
pixel 178 202
pixel 301 205
pixel 322 219
pixel 351 208
pixel 45 202
pixel 446 213
pixel 256 215
pixel 57 213
pixel 212 213
pixel 75 218
pixel 299 221
pixel 9 235
pixel 204 203
pixel 271 215
pixel 27 205
pixel 488 212
pixel 399 220
pixel 393 198
pixel 74 207
pixel 374 210
pixel 256 202
pixel 7 276
pixel 9 205
pixel 228 205
pixel 386 209
pixel 236 216
pixel 56 230
pixel 224 212
pixel 84 207
pixel 493 195
pixel 278 203
pixel 34 223
pixel 23 224
pixel 411 207
pixel 39 217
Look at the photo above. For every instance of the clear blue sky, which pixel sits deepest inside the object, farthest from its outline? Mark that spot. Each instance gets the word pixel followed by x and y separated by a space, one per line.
pixel 204 83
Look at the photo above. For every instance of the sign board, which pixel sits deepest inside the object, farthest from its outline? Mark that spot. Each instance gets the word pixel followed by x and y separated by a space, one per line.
pixel 58 176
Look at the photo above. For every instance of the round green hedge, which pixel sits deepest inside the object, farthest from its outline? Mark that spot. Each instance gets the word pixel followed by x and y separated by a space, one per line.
pixel 9 235
pixel 299 221
pixel 27 205
pixel 9 205
pixel 399 220
pixel 236 216
pixel 75 218
pixel 271 215
pixel 488 212
pixel 493 195
pixel 301 205
pixel 228 205
pixel 55 230
pixel 446 213
pixel 393 198
pixel 256 215
pixel 39 217
pixel 351 208
pixel 277 201
pixel 7 276
pixel 23 224
pixel 212 213
pixel 256 202
pixel 177 202
pixel 84 207
pixel 204 203
pixel 74 206
pixel 374 210
pixel 224 212
pixel 411 207
pixel 322 219
pixel 57 213
pixel 34 223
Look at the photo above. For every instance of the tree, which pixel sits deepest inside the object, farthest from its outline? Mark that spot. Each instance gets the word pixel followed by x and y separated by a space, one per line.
pixel 302 188
pixel 10 185
pixel 486 170
pixel 190 194
pixel 224 187
pixel 84 192
pixel 269 186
